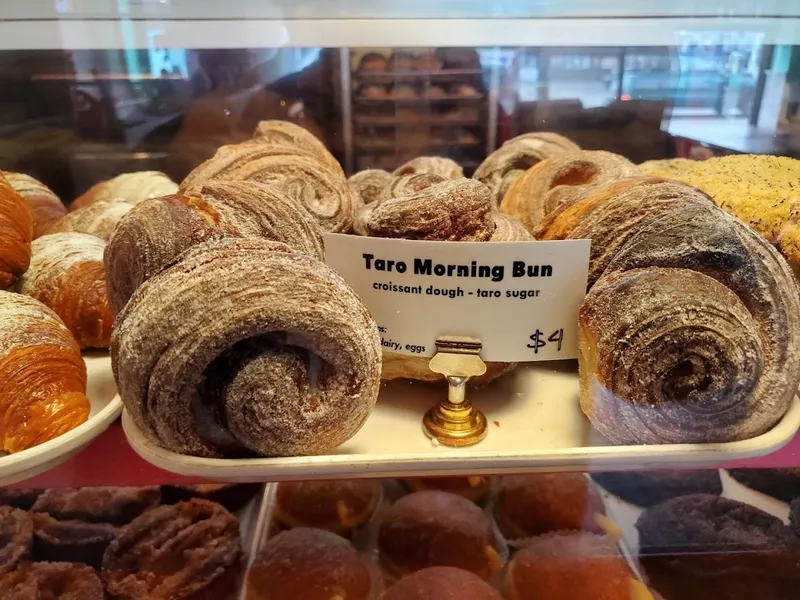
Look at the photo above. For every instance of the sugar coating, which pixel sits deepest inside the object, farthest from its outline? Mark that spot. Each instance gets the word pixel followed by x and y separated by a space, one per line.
pixel 98 219
pixel 53 256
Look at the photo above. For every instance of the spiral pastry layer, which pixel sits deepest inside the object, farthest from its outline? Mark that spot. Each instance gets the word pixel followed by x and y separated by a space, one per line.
pixel 434 165
pixel 289 366
pixel 556 180
pixel 517 155
pixel 286 133
pixel 690 333
pixel 319 188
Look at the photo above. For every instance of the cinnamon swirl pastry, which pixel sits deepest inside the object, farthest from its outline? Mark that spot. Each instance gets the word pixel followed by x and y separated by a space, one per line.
pixel 690 332
pixel 516 156
pixel 426 207
pixel 290 365
pixel 156 231
pixel 286 133
pixel 553 181
pixel 435 165
pixel 302 175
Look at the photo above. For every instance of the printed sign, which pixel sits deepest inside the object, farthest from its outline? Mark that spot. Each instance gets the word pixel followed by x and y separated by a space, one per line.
pixel 520 299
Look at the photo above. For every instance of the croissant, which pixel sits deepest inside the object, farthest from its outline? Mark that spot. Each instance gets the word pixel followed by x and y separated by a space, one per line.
pixel 46 207
pixel 67 276
pixel 394 188
pixel 435 165
pixel 517 155
pixel 289 134
pixel 16 232
pixel 133 187
pixel 556 180
pixel 244 345
pixel 42 375
pixel 98 219
pixel 690 331
pixel 153 234
pixel 319 188
pixel 428 207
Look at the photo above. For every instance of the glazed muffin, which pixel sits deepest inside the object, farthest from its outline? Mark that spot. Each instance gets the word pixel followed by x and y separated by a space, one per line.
pixel 475 487
pixel 441 583
pixel 311 564
pixel 646 488
pixel 530 505
pixel 701 546
pixel 434 528
pixel 572 566
pixel 338 506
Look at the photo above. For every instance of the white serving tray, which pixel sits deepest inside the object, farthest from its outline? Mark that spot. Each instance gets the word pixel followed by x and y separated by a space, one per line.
pixel 535 424
pixel 105 408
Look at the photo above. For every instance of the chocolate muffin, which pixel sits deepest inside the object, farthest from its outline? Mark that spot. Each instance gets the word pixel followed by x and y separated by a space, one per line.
pixel 441 583
pixel 703 546
pixel 187 551
pixel 783 484
pixel 434 528
pixel 530 505
pixel 338 506
pixel 646 488
pixel 311 564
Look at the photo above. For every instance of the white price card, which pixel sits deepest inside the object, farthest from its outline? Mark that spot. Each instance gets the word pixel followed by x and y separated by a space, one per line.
pixel 521 299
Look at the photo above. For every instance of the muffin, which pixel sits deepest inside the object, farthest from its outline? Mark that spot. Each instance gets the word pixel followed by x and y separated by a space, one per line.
pixel 475 487
pixel 572 566
pixel 433 528
pixel 530 505
pixel 337 506
pixel 702 546
pixel 441 583
pixel 311 564
pixel 646 488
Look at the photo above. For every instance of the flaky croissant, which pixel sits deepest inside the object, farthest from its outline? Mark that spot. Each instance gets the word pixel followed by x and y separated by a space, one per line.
pixel 286 133
pixel 691 329
pixel 98 219
pixel 153 234
pixel 67 276
pixel 133 187
pixel 46 207
pixel 42 375
pixel 16 233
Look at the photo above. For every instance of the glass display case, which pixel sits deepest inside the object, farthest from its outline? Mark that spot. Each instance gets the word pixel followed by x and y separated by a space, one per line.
pixel 359 300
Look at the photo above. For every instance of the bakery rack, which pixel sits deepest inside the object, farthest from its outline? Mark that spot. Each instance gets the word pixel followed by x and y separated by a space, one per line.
pixel 392 115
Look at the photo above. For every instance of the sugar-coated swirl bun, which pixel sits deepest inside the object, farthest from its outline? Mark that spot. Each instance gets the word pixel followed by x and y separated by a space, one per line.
pixel 517 155
pixel 42 375
pixel 337 506
pixel 435 165
pixel 311 564
pixel 476 488
pixel 157 231
pixel 567 566
pixel 290 134
pixel 46 207
pixel 530 505
pixel 691 331
pixel 556 180
pixel 99 218
pixel 299 173
pixel 132 187
pixel 66 274
pixel 371 183
pixel 441 583
pixel 16 233
pixel 289 365
pixel 433 528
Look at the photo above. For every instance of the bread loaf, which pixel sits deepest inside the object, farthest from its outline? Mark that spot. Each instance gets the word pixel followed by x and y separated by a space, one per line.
pixel 133 187
pixel 289 365
pixel 67 276
pixel 553 181
pixel 157 231
pixel 46 207
pixel 320 189
pixel 16 233
pixel 42 375
pixel 517 155
pixel 691 330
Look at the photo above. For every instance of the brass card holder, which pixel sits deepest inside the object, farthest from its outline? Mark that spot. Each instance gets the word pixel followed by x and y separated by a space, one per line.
pixel 454 421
